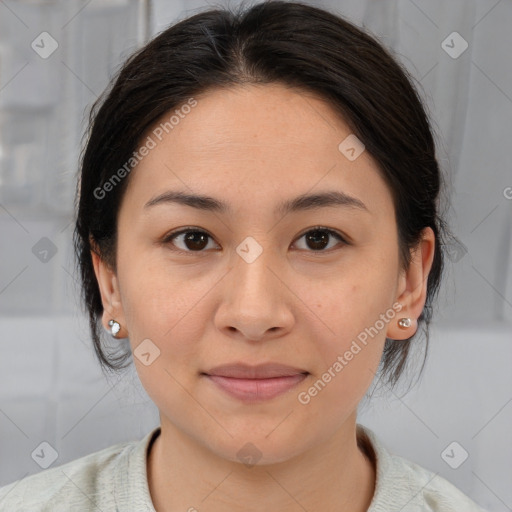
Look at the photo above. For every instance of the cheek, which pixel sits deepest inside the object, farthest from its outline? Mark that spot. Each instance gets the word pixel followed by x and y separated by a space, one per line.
pixel 167 312
pixel 352 313
pixel 347 353
pixel 158 303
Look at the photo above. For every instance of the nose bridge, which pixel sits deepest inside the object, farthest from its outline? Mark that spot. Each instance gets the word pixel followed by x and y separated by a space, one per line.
pixel 252 275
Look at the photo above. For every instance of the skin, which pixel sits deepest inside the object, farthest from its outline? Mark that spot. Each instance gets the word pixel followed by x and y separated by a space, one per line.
pixel 252 147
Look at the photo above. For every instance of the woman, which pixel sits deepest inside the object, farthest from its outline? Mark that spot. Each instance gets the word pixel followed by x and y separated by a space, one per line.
pixel 257 217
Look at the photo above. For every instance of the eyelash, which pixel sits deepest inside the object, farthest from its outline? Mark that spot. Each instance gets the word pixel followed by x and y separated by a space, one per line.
pixel 190 229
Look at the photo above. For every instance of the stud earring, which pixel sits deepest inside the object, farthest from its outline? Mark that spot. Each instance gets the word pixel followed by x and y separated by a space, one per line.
pixel 115 327
pixel 403 323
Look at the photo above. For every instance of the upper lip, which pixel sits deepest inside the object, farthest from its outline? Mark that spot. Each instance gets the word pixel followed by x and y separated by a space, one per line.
pixel 260 371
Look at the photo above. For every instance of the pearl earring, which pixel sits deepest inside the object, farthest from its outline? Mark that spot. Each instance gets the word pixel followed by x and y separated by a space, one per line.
pixel 115 327
pixel 403 323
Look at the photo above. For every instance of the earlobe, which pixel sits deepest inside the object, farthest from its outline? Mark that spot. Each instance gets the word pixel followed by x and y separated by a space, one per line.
pixel 109 291
pixel 413 286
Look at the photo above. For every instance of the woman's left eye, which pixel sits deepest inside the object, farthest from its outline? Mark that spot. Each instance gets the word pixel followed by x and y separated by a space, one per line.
pixel 196 240
pixel 318 238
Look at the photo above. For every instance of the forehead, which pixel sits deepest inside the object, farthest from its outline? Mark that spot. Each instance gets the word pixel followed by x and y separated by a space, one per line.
pixel 260 141
pixel 253 115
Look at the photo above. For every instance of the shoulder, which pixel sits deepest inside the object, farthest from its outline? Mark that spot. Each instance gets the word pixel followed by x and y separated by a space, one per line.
pixel 87 483
pixel 428 490
pixel 404 485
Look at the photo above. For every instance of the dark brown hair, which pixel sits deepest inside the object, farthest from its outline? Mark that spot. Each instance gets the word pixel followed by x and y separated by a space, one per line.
pixel 291 43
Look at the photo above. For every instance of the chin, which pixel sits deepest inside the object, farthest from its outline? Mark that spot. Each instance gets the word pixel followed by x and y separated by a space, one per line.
pixel 253 450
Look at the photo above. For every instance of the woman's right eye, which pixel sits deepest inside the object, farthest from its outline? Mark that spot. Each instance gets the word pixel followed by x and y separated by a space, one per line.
pixel 191 240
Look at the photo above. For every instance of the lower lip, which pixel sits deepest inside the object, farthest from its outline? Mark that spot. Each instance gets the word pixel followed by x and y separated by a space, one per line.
pixel 255 390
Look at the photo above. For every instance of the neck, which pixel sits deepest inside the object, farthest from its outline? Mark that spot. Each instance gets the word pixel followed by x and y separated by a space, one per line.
pixel 336 475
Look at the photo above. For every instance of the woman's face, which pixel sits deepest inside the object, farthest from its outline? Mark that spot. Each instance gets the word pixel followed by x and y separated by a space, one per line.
pixel 259 285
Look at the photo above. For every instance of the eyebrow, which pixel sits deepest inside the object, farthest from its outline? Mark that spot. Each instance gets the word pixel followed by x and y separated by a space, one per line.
pixel 300 203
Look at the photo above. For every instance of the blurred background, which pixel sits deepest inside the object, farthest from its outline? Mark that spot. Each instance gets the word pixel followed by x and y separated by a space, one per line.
pixel 56 57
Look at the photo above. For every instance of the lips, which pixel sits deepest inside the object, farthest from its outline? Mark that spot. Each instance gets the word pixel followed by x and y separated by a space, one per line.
pixel 261 371
pixel 255 383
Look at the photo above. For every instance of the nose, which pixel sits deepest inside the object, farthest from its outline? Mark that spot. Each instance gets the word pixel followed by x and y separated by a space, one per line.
pixel 255 300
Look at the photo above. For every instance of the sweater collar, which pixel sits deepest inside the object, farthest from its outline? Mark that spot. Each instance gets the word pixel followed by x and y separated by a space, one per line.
pixel 132 473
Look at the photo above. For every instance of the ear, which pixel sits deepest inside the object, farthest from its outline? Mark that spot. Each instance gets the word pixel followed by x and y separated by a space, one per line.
pixel 109 291
pixel 412 286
